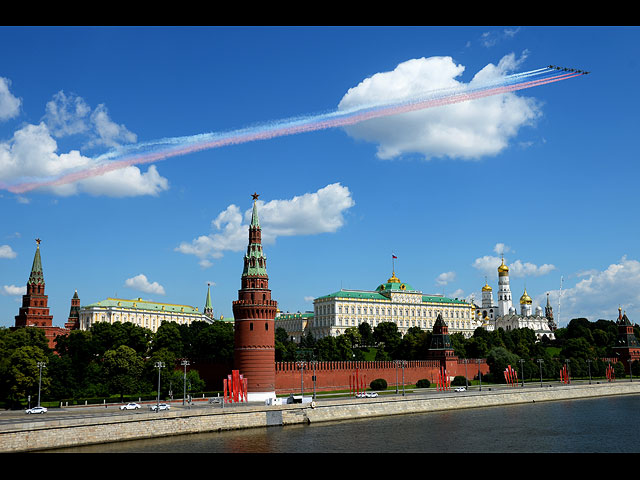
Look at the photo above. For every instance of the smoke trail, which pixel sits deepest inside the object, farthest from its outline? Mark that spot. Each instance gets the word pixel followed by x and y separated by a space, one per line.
pixel 153 151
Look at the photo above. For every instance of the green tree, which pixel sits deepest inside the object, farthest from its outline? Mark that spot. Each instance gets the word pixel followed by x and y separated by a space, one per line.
pixel 366 334
pixel 498 359
pixel 168 337
pixel 123 369
pixel 387 335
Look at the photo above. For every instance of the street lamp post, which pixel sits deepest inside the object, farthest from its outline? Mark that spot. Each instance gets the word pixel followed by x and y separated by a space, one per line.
pixel 403 363
pixel 522 370
pixel 540 361
pixel 396 362
pixel 158 365
pixel 589 365
pixel 313 362
pixel 466 381
pixel 40 365
pixel 479 375
pixel 301 365
pixel 184 363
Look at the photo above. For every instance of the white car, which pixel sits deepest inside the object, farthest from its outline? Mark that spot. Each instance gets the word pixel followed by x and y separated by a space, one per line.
pixel 162 406
pixel 371 394
pixel 36 410
pixel 461 389
pixel 130 406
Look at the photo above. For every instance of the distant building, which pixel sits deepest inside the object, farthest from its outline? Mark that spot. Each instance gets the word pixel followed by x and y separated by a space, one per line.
pixel 295 324
pixel 505 316
pixel 393 301
pixel 34 311
pixel 140 312
pixel 627 347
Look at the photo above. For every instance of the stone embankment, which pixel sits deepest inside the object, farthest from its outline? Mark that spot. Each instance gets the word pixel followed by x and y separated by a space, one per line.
pixel 60 432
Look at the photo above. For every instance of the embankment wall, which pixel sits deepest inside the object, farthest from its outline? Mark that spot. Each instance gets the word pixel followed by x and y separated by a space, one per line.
pixel 41 435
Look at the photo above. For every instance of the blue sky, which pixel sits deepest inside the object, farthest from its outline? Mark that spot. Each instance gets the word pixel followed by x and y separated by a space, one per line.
pixel 547 175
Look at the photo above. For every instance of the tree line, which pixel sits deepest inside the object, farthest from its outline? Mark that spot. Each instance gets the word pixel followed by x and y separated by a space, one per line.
pixel 120 359
pixel 109 360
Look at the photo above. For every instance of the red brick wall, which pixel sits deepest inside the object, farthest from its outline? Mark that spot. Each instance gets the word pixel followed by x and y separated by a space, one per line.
pixel 336 375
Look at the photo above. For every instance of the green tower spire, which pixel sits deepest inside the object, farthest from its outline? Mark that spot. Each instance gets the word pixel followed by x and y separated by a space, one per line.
pixel 255 261
pixel 208 307
pixel 36 277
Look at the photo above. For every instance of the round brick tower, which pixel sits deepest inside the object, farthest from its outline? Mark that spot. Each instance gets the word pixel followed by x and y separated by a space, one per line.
pixel 254 318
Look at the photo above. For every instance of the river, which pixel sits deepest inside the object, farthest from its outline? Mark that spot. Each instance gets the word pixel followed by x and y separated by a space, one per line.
pixel 600 425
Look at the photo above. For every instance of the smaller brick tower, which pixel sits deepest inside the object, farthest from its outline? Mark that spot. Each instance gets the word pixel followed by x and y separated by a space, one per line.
pixel 627 346
pixel 254 319
pixel 440 348
pixel 74 313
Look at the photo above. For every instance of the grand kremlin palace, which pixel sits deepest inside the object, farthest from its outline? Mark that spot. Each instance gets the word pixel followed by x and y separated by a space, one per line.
pixel 393 301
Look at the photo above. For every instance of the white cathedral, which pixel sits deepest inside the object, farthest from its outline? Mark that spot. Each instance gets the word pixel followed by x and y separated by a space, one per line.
pixel 504 314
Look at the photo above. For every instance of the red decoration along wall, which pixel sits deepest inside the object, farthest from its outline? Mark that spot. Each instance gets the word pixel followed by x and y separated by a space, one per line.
pixel 337 375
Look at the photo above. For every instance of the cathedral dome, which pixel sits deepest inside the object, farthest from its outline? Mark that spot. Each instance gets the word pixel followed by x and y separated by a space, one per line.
pixel 503 269
pixel 525 298
pixel 486 288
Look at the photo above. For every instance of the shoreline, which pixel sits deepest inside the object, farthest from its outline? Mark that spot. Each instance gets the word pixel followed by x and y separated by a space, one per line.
pixel 29 436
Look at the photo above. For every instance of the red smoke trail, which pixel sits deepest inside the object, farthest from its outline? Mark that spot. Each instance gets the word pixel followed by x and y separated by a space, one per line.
pixel 314 124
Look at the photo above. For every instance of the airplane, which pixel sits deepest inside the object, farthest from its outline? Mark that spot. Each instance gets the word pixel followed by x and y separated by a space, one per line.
pixel 565 69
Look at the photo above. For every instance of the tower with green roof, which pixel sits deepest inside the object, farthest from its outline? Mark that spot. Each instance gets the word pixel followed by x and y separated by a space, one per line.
pixel 34 310
pixel 254 319
pixel 208 306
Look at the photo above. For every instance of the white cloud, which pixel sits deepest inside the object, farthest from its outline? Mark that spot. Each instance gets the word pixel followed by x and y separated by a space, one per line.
pixel 445 277
pixel 501 248
pixel 309 298
pixel 70 114
pixel 14 290
pixel 467 130
pixel 489 264
pixel 109 133
pixel 140 282
pixel 599 294
pixel 308 214
pixel 67 115
pixel 7 252
pixel 9 104
pixel 32 153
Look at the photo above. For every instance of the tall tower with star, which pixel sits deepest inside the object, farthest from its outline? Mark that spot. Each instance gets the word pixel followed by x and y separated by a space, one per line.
pixel 254 319
pixel 34 311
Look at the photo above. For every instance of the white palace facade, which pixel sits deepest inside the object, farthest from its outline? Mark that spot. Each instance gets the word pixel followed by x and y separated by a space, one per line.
pixel 393 301
pixel 140 312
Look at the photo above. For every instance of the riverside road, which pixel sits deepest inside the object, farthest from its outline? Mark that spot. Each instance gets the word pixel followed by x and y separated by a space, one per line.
pixel 10 418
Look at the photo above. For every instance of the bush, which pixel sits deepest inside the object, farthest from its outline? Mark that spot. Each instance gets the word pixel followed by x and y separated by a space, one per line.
pixel 423 383
pixel 378 384
pixel 459 381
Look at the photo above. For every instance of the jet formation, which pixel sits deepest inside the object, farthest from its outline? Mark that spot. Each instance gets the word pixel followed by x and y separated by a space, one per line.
pixel 568 69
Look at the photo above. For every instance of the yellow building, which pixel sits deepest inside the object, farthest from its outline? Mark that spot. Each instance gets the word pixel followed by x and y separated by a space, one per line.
pixel 139 312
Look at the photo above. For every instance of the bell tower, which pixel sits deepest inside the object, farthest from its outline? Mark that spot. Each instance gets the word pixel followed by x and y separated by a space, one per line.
pixel 254 319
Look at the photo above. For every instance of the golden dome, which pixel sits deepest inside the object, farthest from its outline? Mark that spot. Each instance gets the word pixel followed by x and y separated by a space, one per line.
pixel 525 298
pixel 486 287
pixel 503 269
pixel 394 279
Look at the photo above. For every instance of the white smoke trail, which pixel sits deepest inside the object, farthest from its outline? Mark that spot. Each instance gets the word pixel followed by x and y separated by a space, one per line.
pixel 156 150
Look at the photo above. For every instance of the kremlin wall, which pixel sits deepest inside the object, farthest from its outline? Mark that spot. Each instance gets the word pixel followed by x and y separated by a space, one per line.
pixel 255 324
